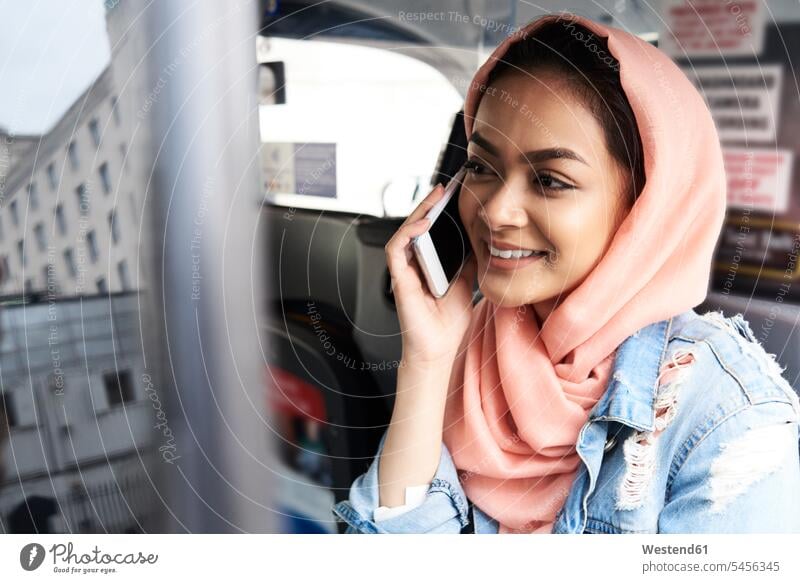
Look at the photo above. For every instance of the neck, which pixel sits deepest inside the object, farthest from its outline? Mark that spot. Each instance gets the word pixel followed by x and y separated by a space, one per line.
pixel 544 308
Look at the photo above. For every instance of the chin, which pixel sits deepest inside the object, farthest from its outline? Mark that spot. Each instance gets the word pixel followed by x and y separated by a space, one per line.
pixel 506 296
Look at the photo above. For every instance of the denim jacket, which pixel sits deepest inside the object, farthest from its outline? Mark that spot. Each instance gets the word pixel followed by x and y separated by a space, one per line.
pixel 714 449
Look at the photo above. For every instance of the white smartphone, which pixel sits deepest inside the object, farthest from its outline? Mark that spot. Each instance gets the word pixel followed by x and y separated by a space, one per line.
pixel 442 250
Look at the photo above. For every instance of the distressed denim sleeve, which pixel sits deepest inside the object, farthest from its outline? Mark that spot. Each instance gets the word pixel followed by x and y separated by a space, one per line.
pixel 740 476
pixel 443 511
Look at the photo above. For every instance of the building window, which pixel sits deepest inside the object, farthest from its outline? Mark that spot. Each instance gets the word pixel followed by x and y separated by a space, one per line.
pixel 69 261
pixel 41 236
pixel 49 273
pixel 115 110
pixel 6 267
pixel 94 129
pixel 28 285
pixel 105 179
pixel 91 238
pixel 102 288
pixel 61 221
pixel 72 152
pixel 33 196
pixel 7 410
pixel 113 226
pixel 124 276
pixel 52 177
pixel 14 212
pixel 119 387
pixel 21 252
pixel 83 199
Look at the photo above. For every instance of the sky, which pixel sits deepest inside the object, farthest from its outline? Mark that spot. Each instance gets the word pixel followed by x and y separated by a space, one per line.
pixel 50 52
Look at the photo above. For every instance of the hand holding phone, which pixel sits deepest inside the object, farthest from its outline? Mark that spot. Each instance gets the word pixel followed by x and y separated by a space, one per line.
pixel 432 323
pixel 442 250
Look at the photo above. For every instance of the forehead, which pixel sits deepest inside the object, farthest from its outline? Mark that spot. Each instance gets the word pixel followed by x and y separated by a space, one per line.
pixel 523 111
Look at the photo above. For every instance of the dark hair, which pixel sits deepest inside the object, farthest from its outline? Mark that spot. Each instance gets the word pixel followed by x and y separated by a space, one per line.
pixel 584 61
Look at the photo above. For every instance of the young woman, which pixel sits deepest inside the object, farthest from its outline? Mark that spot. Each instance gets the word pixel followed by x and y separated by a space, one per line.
pixel 582 393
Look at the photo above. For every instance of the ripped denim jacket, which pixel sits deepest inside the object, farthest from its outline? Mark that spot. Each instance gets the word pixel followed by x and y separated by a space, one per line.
pixel 697 432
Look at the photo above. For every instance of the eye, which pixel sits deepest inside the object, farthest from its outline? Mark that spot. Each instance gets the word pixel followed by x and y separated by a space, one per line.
pixel 547 181
pixel 475 167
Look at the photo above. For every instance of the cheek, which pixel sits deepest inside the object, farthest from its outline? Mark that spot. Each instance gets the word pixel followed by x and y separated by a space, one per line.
pixel 581 228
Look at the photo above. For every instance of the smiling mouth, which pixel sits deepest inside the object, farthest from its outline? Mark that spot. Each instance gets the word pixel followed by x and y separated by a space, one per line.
pixel 519 253
pixel 520 259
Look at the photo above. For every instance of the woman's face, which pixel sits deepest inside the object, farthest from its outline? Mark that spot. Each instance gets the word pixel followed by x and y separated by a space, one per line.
pixel 539 177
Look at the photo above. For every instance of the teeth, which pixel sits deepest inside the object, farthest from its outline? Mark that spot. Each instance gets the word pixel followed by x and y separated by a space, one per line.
pixel 508 253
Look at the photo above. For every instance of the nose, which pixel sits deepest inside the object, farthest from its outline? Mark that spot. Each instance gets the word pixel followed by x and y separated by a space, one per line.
pixel 502 208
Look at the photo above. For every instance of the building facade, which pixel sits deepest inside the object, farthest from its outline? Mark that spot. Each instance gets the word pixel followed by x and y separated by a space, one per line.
pixel 79 414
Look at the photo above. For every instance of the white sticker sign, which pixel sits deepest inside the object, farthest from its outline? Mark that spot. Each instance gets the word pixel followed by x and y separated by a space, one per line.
pixel 307 169
pixel 744 100
pixel 759 179
pixel 712 28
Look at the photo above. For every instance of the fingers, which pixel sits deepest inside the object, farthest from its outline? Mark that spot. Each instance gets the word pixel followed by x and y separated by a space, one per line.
pixel 427 203
pixel 399 255
pixel 403 268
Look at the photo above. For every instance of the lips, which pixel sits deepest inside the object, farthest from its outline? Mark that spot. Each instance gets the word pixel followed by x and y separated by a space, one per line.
pixel 505 246
pixel 509 264
pixel 508 247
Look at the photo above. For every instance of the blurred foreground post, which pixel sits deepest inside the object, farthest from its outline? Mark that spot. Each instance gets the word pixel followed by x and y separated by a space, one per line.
pixel 201 109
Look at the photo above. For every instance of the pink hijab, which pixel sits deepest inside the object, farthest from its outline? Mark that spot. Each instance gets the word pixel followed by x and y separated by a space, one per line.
pixel 520 395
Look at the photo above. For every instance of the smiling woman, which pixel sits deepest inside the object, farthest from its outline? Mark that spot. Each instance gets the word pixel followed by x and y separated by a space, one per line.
pixel 594 197
pixel 555 161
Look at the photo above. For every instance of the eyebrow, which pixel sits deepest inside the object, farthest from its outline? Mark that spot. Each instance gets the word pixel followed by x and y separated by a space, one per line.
pixel 532 157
